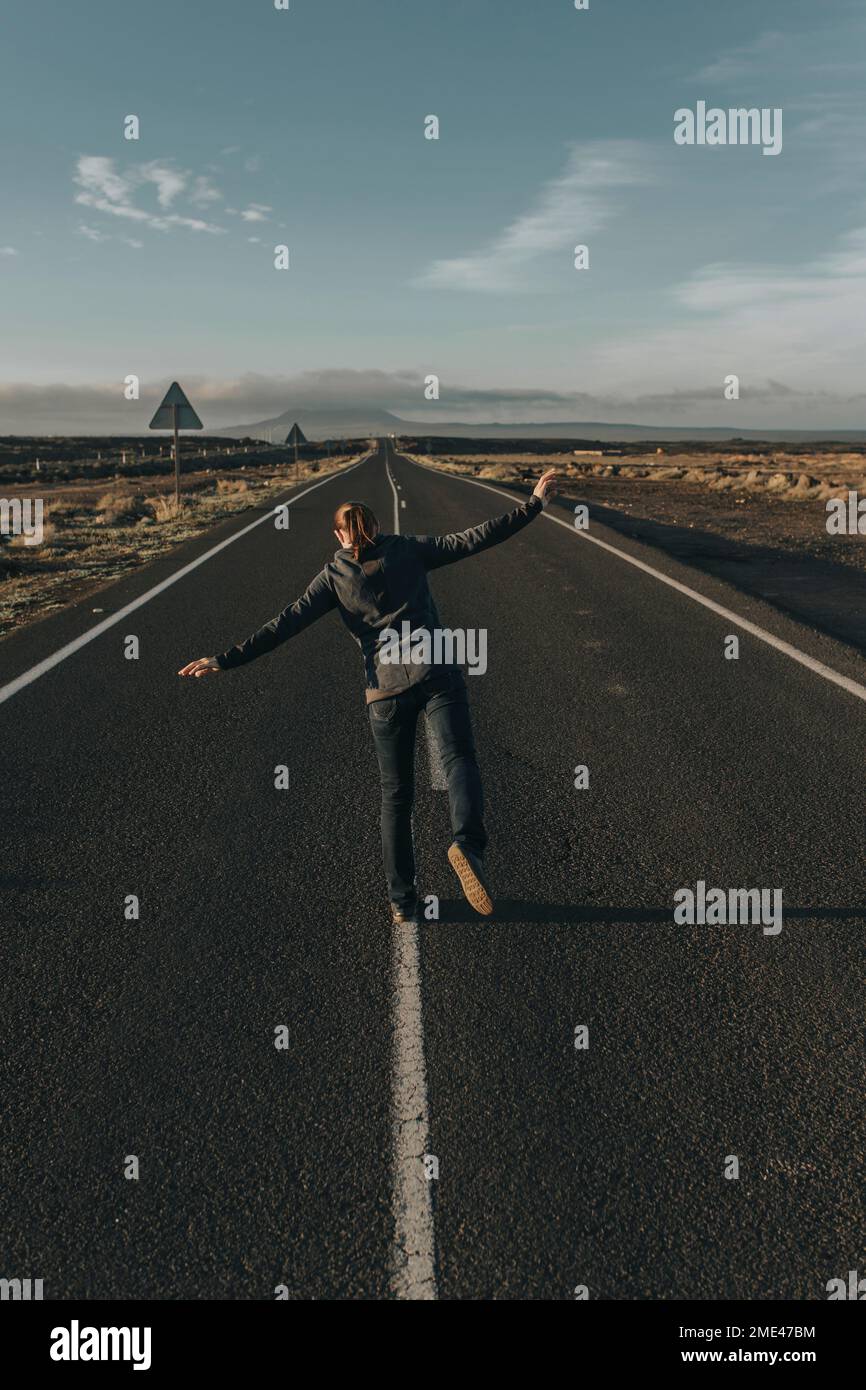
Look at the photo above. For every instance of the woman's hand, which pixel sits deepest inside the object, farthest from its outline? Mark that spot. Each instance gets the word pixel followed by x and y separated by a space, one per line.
pixel 546 485
pixel 201 667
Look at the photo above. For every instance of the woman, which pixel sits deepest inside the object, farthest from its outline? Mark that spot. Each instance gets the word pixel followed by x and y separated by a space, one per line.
pixel 378 583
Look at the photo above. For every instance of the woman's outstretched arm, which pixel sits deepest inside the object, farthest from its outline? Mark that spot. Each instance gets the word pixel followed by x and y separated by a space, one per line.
pixel 445 550
pixel 318 600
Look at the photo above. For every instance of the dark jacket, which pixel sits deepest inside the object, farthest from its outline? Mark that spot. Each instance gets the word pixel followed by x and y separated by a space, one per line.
pixel 383 589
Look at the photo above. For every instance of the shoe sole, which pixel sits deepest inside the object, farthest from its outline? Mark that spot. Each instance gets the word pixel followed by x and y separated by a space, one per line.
pixel 473 889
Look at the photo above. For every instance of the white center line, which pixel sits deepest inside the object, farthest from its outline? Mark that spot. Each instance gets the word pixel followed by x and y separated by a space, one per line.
pixel 414 1275
pixel 396 498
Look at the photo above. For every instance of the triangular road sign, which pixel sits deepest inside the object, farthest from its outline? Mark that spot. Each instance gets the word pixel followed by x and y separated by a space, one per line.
pixel 296 435
pixel 164 419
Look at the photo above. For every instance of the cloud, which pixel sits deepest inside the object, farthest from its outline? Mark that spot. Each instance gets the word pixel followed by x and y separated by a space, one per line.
pixel 793 54
pixel 567 210
pixel 765 325
pixel 92 233
pixel 101 409
pixel 8 251
pixel 204 191
pixel 105 189
pixel 748 59
pixel 800 70
pixel 256 212
pixel 169 182
pixel 57 407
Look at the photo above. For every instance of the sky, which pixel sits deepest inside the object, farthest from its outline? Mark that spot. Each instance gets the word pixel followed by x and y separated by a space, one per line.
pixel 410 257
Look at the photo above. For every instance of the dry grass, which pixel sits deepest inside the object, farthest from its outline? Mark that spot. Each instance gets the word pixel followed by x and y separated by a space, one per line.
pixel 49 540
pixel 171 508
pixel 93 533
pixel 775 506
pixel 829 475
pixel 118 506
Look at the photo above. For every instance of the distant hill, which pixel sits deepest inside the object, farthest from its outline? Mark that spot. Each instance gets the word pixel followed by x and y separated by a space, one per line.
pixel 356 422
pixel 353 422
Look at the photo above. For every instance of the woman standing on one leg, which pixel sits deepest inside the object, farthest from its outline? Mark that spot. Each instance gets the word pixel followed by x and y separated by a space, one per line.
pixel 377 583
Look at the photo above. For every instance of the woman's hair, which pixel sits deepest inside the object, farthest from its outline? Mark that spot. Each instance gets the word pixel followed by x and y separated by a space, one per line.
pixel 359 522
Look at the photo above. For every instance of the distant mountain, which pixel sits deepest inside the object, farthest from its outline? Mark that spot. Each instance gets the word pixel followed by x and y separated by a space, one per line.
pixel 338 422
pixel 357 422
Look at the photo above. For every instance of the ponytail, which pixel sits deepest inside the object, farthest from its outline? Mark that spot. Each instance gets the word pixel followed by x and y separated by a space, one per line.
pixel 359 522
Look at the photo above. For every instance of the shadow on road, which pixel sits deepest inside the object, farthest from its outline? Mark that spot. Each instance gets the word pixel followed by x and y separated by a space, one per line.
pixel 23 882
pixel 828 595
pixel 454 912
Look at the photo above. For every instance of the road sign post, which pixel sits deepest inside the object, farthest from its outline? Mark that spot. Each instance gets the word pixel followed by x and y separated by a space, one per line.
pixel 176 458
pixel 296 436
pixel 175 414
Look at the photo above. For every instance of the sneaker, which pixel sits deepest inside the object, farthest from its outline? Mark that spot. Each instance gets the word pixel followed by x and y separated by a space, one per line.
pixel 404 916
pixel 468 868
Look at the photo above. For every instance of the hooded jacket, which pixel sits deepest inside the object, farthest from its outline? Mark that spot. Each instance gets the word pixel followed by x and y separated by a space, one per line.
pixel 379 592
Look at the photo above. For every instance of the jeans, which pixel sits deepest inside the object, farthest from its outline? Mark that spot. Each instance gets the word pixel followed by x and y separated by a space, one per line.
pixel 442 696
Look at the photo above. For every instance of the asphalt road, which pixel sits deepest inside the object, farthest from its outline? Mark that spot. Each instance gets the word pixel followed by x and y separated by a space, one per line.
pixel 262 907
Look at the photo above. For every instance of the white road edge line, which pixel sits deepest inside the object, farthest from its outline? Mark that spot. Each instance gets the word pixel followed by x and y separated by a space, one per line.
pixel 835 677
pixel 42 667
pixel 414 1275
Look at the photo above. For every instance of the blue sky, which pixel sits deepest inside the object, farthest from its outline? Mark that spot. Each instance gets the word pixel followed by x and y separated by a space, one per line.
pixel 410 256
